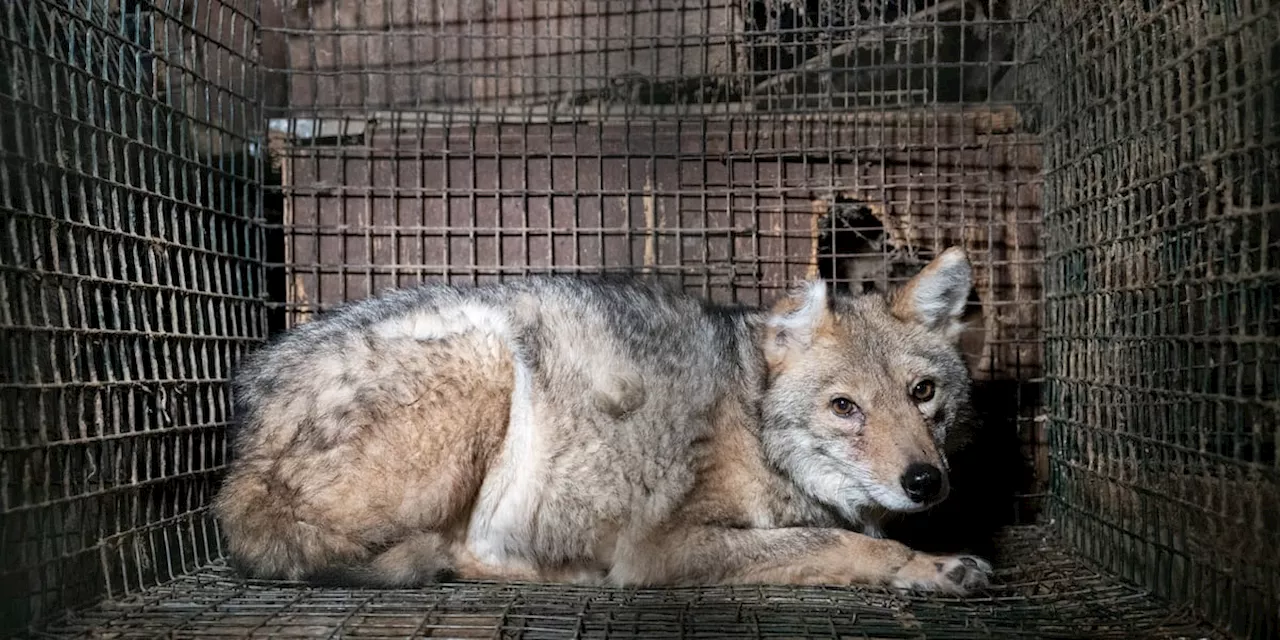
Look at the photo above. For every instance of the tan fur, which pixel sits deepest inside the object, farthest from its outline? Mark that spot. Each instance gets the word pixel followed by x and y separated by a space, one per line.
pixel 735 486
pixel 396 476
pixel 895 436
pixel 572 432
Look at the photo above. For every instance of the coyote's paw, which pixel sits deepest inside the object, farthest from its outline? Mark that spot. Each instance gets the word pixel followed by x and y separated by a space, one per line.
pixel 959 575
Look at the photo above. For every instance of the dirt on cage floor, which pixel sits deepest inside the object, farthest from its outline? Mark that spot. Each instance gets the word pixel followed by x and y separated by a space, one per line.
pixel 1040 592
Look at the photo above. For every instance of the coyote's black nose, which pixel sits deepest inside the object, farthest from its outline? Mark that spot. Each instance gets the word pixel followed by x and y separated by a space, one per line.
pixel 922 482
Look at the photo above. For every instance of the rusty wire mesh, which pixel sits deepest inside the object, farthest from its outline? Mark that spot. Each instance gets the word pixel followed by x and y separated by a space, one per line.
pixel 130 282
pixel 729 146
pixel 1162 147
pixel 1043 593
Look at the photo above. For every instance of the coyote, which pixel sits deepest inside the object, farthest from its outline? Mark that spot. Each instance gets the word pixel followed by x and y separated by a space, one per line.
pixel 602 430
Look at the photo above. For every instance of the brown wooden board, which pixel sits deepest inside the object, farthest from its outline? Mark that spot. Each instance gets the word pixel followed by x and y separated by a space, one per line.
pixel 415 53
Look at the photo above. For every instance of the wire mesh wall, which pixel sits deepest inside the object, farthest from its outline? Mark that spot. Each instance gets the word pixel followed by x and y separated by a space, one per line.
pixel 131 280
pixel 729 146
pixel 1161 201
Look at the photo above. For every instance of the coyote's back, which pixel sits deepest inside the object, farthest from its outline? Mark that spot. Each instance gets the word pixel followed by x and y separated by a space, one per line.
pixel 592 429
pixel 384 420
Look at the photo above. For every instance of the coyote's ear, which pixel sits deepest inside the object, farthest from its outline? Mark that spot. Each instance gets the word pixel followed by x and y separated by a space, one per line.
pixel 936 296
pixel 795 319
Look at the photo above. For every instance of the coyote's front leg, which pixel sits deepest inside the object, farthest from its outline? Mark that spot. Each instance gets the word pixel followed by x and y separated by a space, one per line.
pixel 716 555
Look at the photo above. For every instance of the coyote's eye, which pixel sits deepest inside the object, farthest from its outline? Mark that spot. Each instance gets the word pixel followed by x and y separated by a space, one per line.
pixel 843 407
pixel 923 390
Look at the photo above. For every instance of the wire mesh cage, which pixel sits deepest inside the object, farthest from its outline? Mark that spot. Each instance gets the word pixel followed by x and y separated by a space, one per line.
pixel 1161 325
pixel 181 179
pixel 131 278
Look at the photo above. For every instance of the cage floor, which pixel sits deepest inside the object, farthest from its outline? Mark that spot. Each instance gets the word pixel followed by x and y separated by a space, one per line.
pixel 1039 592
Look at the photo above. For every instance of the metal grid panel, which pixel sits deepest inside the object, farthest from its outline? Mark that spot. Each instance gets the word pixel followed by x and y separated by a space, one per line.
pixel 130 276
pixel 1042 593
pixel 730 146
pixel 1161 201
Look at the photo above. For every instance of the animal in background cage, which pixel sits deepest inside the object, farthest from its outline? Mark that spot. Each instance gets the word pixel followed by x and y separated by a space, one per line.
pixel 603 431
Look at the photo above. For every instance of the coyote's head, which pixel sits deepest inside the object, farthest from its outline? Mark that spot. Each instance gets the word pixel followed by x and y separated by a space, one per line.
pixel 864 390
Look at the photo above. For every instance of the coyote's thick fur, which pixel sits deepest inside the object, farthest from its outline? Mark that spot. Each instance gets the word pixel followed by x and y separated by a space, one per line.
pixel 602 431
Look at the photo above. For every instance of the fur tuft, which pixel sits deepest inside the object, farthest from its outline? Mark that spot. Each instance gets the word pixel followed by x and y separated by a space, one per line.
pixel 797 318
pixel 936 297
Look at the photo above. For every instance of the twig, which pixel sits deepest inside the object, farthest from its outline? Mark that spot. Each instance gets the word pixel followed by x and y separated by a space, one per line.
pixel 824 59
